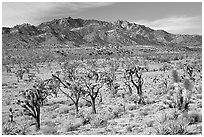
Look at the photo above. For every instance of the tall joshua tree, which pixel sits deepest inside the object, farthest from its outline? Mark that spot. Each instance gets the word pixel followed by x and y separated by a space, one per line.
pixel 73 88
pixel 111 77
pixel 74 91
pixel 93 81
pixel 31 103
pixel 134 75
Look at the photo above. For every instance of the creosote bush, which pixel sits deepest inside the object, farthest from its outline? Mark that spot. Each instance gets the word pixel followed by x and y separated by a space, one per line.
pixel 194 117
pixel 98 121
pixel 73 125
pixel 175 76
pixel 9 128
pixel 168 125
pixel 50 130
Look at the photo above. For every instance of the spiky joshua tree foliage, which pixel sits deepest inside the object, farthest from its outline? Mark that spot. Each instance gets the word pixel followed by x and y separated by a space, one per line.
pixel 111 77
pixel 183 91
pixel 74 91
pixel 93 81
pixel 72 83
pixel 134 76
pixel 31 103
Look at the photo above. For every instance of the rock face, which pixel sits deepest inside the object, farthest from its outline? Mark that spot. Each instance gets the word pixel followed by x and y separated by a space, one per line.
pixel 76 32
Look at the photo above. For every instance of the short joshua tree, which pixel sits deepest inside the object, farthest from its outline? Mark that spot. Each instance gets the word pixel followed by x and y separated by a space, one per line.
pixel 8 69
pixel 110 78
pixel 31 77
pixel 11 115
pixel 19 74
pixel 52 86
pixel 183 92
pixel 134 75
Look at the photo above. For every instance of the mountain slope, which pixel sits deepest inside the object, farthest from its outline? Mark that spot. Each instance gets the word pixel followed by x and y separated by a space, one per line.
pixel 76 32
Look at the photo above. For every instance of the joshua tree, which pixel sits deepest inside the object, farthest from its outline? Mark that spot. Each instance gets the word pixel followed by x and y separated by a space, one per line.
pixel 31 76
pixel 183 92
pixel 19 74
pixel 111 77
pixel 155 80
pixel 8 68
pixel 11 115
pixel 134 75
pixel 165 82
pixel 51 86
pixel 128 84
pixel 31 103
pixel 189 70
pixel 71 81
pixel 74 90
pixel 93 81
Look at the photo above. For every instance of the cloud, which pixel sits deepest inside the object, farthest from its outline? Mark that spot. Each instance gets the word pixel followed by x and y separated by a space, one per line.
pixel 35 12
pixel 176 24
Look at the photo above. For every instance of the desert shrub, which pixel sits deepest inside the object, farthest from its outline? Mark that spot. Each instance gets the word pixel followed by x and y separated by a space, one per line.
pixel 144 112
pixel 9 128
pixel 149 123
pixel 175 76
pixel 80 105
pixel 151 100
pixel 129 128
pixel 49 123
pixel 7 101
pixel 98 121
pixel 4 84
pixel 86 117
pixel 50 130
pixel 167 125
pixel 174 114
pixel 118 111
pixel 63 110
pixel 73 125
pixel 199 96
pixel 133 98
pixel 188 85
pixel 87 103
pixel 131 107
pixel 19 113
pixel 172 127
pixel 194 117
pixel 108 115
pixel 53 107
pixel 24 128
pixel 53 115
pixel 132 115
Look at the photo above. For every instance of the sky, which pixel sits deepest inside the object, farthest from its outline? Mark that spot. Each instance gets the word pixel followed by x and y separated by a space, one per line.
pixel 174 17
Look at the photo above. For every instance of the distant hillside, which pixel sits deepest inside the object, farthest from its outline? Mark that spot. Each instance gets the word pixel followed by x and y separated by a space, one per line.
pixel 69 32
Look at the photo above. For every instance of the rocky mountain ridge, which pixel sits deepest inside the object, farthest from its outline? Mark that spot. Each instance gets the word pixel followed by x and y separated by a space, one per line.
pixel 68 32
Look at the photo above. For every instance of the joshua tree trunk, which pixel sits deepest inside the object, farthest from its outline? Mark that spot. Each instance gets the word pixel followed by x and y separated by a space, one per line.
pixel 93 105
pixel 38 123
pixel 77 108
pixel 130 89
pixel 38 119
pixel 139 92
pixel 113 90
